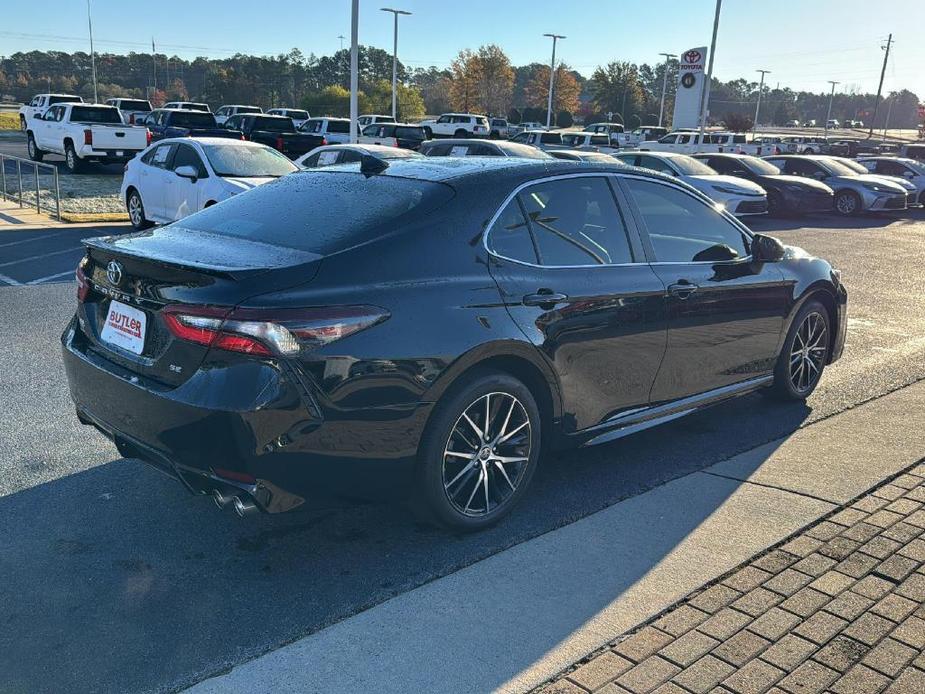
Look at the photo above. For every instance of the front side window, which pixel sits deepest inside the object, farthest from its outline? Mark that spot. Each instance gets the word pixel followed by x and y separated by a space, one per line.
pixel 371 131
pixel 683 229
pixel 575 221
pixel 187 156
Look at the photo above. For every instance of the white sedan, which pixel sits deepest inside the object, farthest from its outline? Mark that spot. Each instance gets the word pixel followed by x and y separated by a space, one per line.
pixel 176 177
pixel 739 196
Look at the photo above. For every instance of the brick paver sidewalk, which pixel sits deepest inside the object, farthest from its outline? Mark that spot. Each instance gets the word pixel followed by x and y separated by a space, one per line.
pixel 839 608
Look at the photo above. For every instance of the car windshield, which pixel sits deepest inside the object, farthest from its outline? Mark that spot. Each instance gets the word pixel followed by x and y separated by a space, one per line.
pixel 837 168
pixel 134 105
pixel 759 166
pixel 192 119
pixel 689 166
pixel 95 114
pixel 854 166
pixel 276 124
pixel 248 162
pixel 317 210
pixel 515 149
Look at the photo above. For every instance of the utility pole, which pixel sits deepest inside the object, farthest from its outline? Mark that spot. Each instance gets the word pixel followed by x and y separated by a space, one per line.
pixel 705 93
pixel 354 68
pixel 552 77
pixel 153 67
pixel 828 115
pixel 758 105
pixel 661 110
pixel 886 57
pixel 96 96
pixel 395 60
pixel 889 112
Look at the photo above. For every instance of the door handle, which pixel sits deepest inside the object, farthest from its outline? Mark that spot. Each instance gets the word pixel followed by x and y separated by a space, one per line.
pixel 545 298
pixel 682 290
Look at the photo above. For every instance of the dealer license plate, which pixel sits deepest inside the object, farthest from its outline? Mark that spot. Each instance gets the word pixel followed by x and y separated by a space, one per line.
pixel 124 327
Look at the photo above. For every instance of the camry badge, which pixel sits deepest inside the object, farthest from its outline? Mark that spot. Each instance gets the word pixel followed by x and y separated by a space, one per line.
pixel 114 272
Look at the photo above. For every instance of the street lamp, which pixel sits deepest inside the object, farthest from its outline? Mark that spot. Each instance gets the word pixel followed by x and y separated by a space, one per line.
pixel 705 93
pixel 758 106
pixel 661 110
pixel 552 77
pixel 395 59
pixel 354 67
pixel 828 115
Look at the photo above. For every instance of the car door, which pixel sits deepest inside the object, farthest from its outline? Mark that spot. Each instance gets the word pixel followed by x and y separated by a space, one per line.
pixel 153 179
pixel 572 274
pixel 182 195
pixel 725 313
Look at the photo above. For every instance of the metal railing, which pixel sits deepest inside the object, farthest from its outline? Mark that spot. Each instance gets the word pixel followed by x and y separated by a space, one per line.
pixel 17 194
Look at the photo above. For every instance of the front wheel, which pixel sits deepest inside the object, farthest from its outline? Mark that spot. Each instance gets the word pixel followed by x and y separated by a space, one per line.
pixel 460 133
pixel 479 452
pixel 22 123
pixel 804 355
pixel 847 203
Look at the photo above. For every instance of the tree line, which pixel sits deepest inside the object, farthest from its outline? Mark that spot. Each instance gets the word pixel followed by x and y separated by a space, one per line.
pixel 482 80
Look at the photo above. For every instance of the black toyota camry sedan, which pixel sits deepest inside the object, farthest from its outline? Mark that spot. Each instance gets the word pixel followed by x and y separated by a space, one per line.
pixel 441 322
pixel 786 194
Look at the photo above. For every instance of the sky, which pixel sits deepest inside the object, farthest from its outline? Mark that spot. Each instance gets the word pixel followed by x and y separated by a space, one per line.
pixel 803 43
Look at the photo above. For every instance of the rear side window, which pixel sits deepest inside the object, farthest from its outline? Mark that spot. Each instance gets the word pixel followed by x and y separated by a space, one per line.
pixel 550 138
pixel 192 119
pixel 510 236
pixel 575 221
pixel 317 211
pixel 338 126
pixel 95 114
pixel 271 124
pixel 683 229
pixel 159 157
pixel 406 133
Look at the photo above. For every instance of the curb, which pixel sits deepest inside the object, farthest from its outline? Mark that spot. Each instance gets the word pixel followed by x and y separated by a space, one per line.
pixel 91 217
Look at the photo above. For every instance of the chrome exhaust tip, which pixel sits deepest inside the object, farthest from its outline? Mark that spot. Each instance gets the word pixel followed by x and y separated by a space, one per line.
pixel 244 507
pixel 220 498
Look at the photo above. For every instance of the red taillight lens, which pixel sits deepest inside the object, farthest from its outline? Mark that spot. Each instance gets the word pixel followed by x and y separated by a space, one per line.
pixel 88 137
pixel 83 286
pixel 148 136
pixel 283 332
pixel 279 143
pixel 324 141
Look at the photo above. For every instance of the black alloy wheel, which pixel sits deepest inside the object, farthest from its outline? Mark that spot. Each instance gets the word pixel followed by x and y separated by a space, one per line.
pixel 805 353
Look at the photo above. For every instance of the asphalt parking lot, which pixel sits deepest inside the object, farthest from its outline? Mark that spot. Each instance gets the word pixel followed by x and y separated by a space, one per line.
pixel 126 583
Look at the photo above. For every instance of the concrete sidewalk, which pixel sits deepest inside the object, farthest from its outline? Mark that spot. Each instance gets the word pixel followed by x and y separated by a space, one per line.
pixel 510 622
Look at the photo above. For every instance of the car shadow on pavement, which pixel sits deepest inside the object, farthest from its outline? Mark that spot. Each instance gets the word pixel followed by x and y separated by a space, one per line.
pixel 114 579
pixel 768 225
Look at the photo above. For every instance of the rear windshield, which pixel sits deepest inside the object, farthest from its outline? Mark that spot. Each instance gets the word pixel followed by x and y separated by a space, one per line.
pixel 249 109
pixel 95 114
pixel 196 107
pixel 406 133
pixel 301 115
pixel 338 126
pixel 192 119
pixel 276 125
pixel 550 138
pixel 63 99
pixel 317 210
pixel 134 105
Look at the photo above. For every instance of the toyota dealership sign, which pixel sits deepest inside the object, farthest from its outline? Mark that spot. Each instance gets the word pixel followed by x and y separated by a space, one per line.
pixel 690 88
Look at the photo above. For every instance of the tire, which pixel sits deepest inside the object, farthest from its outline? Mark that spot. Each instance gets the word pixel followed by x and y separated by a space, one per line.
pixel 71 160
pixel 35 154
pixel 808 150
pixel 22 123
pixel 922 198
pixel 847 203
pixel 495 135
pixel 429 133
pixel 460 133
pixel 453 460
pixel 136 211
pixel 808 341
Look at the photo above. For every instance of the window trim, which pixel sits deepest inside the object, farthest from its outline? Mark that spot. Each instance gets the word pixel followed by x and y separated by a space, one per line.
pixel 633 237
pixel 702 198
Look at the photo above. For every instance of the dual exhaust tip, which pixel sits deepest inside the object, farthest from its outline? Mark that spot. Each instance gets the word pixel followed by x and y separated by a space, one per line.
pixel 243 507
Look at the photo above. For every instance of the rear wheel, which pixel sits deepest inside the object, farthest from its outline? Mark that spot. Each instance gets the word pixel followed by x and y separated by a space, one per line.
pixel 136 211
pixel 804 355
pixel 35 154
pixel 479 452
pixel 71 160
pixel 460 133
pixel 847 203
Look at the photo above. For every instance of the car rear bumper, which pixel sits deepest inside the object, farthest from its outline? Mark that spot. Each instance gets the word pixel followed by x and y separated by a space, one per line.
pixel 88 152
pixel 258 421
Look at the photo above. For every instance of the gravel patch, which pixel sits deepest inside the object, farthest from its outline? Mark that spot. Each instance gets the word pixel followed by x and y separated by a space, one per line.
pixel 85 194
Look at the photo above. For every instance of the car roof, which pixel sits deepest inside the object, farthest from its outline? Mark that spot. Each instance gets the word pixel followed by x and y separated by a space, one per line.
pixel 209 141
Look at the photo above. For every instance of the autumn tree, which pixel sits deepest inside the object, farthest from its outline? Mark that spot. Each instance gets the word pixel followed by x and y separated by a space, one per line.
pixel 616 88
pixel 495 80
pixel 566 90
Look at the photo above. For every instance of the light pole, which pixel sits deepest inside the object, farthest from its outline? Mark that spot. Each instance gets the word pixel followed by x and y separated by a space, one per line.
pixel 395 59
pixel 342 37
pixel 661 109
pixel 758 106
pixel 96 97
pixel 552 77
pixel 705 93
pixel 354 68
pixel 828 114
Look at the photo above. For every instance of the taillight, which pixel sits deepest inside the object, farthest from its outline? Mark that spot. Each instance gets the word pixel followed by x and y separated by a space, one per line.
pixel 324 141
pixel 279 143
pixel 88 137
pixel 283 332
pixel 148 136
pixel 83 286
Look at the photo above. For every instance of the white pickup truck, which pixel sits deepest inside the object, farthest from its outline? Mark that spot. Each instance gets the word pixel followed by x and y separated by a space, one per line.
pixel 83 133
pixel 688 142
pixel 40 104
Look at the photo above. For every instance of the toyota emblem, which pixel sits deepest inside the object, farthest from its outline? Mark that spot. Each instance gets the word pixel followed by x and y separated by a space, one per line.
pixel 114 273
pixel 692 57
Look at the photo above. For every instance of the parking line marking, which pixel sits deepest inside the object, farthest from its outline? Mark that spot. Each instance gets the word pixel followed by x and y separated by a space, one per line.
pixel 34 238
pixel 10 281
pixel 42 255
pixel 50 277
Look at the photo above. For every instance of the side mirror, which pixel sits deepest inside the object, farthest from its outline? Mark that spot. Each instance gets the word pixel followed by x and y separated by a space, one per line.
pixel 187 171
pixel 909 174
pixel 766 249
